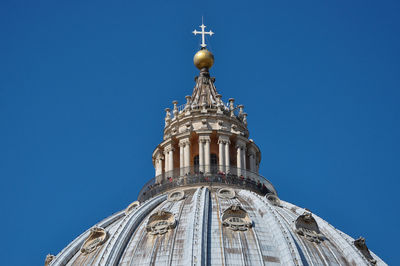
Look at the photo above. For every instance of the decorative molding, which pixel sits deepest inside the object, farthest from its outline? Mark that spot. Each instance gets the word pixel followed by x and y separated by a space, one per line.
pixel 204 139
pixel 236 218
pixel 49 258
pixel 226 193
pixel 131 207
pixel 95 239
pixel 362 247
pixel 160 223
pixel 305 225
pixel 176 195
pixel 273 199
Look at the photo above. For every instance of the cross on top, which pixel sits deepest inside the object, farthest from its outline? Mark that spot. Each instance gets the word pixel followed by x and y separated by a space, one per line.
pixel 203 33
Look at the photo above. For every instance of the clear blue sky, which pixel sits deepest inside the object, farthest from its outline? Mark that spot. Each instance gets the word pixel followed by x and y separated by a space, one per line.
pixel 84 84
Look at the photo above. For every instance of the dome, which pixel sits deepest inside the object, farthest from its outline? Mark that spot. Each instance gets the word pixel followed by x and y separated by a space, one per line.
pixel 214 225
pixel 208 204
pixel 203 59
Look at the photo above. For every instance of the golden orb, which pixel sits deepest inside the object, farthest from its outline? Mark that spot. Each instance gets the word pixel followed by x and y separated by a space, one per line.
pixel 203 59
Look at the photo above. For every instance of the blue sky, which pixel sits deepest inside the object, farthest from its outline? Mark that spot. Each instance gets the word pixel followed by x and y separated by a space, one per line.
pixel 84 84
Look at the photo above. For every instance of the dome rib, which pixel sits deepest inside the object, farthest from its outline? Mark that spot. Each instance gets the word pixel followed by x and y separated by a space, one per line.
pixel 120 239
pixel 69 251
pixel 285 244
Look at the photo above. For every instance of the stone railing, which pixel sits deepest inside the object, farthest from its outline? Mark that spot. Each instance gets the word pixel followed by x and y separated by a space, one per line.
pixel 207 175
pixel 226 107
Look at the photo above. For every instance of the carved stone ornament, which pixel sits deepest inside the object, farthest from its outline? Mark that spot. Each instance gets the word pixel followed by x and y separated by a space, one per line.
pixel 236 218
pixel 226 193
pixel 307 226
pixel 49 258
pixel 362 247
pixel 160 223
pixel 131 207
pixel 176 195
pixel 95 239
pixel 273 199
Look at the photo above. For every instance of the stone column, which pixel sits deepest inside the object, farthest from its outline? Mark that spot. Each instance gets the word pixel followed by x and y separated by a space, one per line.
pixel 184 154
pixel 159 170
pixel 166 164
pixel 239 158
pixel 181 157
pixel 252 159
pixel 223 141
pixel 221 157
pixel 244 158
pixel 227 156
pixel 171 160
pixel 187 155
pixel 241 155
pixel 207 161
pixel 158 163
pixel 201 155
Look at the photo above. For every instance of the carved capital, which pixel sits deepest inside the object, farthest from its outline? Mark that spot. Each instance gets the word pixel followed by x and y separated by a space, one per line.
pixel 203 139
pixel 184 141
pixel 241 146
pixel 168 148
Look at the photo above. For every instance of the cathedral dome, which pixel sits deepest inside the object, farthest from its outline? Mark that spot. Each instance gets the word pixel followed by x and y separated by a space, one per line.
pixel 208 204
pixel 214 225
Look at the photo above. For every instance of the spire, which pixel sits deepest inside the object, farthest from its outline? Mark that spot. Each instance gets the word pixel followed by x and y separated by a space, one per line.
pixel 204 93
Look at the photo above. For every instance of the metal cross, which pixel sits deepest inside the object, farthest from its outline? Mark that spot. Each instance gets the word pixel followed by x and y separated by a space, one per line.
pixel 203 33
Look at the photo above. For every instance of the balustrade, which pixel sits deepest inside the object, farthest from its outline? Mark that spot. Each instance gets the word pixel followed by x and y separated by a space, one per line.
pixel 190 176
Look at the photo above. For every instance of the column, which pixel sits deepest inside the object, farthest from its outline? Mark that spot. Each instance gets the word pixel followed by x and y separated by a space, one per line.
pixel 239 158
pixel 184 155
pixel 159 175
pixel 252 159
pixel 224 160
pixel 251 162
pixel 171 160
pixel 166 164
pixel 227 156
pixel 187 155
pixel 158 163
pixel 244 160
pixel 207 161
pixel 221 157
pixel 181 157
pixel 201 155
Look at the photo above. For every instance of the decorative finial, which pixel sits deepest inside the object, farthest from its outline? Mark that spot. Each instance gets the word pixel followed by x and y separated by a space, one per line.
pixel 203 33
